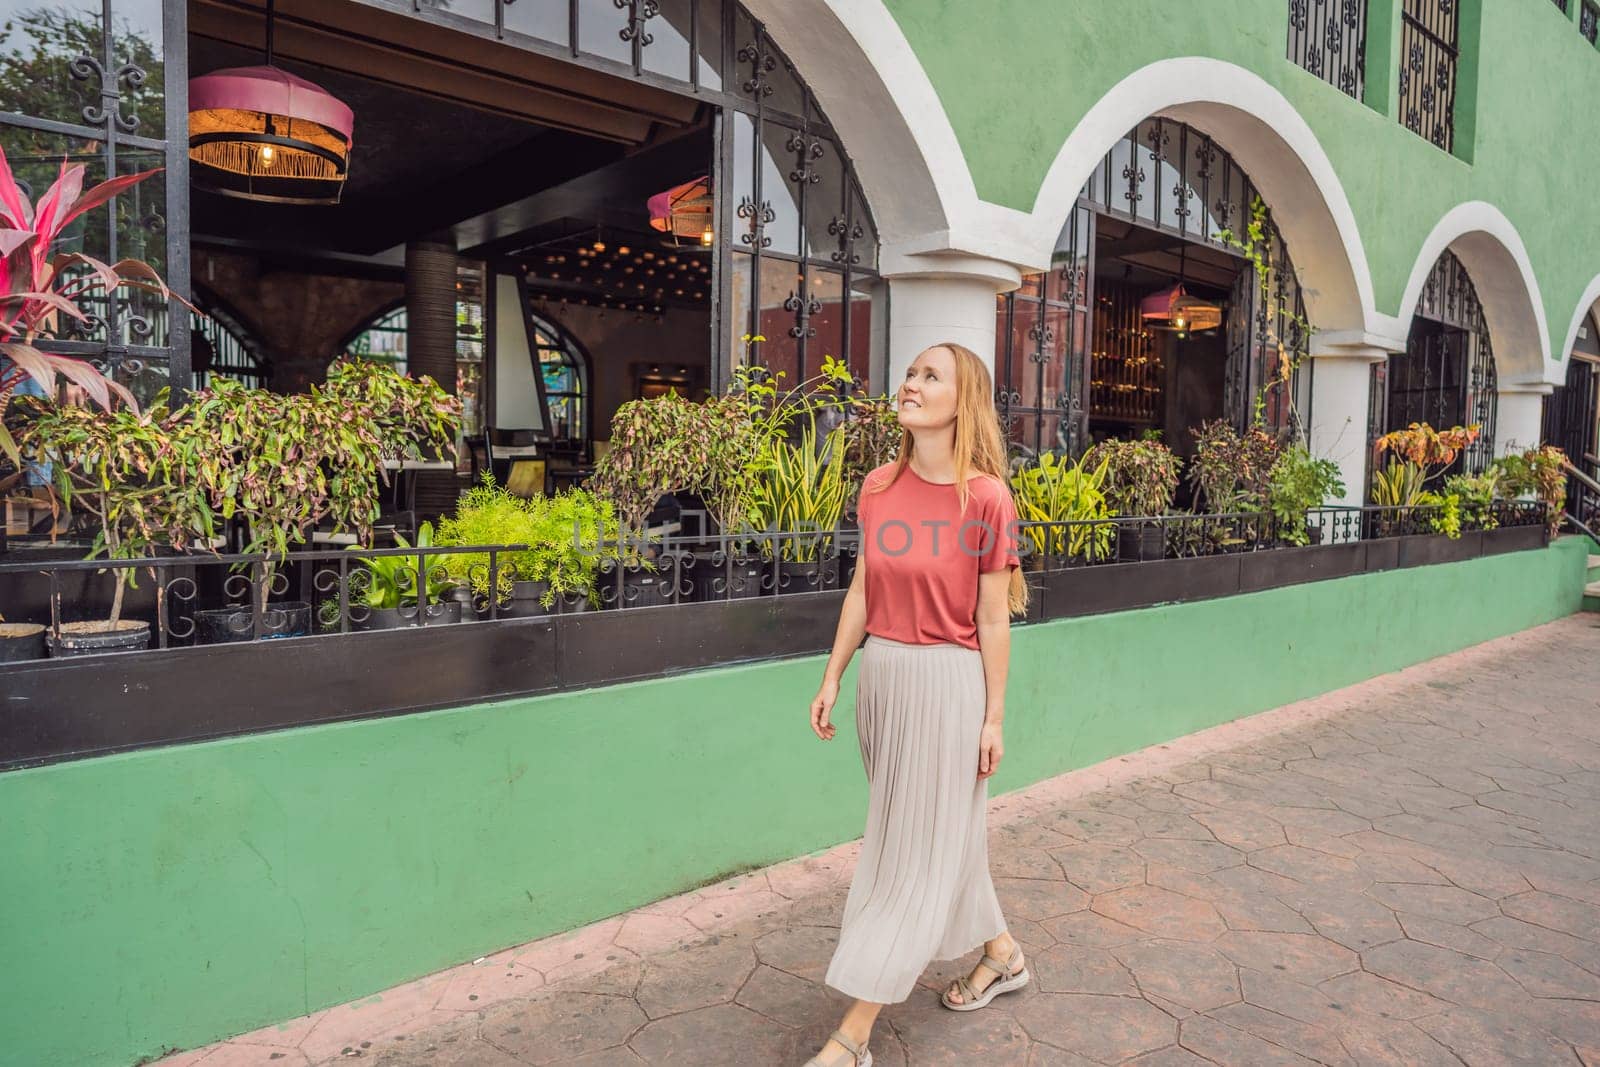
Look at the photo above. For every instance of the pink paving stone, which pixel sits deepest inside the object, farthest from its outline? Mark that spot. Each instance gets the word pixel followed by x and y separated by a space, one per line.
pixel 326 1044
pixel 557 950
pixel 1161 912
pixel 495 979
pixel 398 1010
pixel 646 934
pixel 592 964
pixel 717 911
pixel 282 1035
pixel 230 1054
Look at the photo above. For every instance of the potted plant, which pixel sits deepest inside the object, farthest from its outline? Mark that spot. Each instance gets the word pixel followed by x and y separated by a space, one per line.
pixel 1541 473
pixel 37 291
pixel 1057 491
pixel 489 514
pixel 1141 480
pixel 1297 483
pixel 280 464
pixel 130 470
pixel 1419 453
pixel 797 497
pixel 579 536
pixel 387 589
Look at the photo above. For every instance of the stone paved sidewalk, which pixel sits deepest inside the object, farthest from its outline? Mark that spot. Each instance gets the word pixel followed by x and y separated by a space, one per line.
pixel 1403 872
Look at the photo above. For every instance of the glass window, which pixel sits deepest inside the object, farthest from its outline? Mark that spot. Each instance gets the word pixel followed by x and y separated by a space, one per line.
pixel 667 53
pixel 602 27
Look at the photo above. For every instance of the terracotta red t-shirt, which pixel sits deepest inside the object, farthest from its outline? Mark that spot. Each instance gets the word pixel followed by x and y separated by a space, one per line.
pixel 923 554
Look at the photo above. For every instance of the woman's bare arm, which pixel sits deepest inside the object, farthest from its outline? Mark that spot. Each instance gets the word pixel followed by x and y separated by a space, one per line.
pixel 847 637
pixel 994 643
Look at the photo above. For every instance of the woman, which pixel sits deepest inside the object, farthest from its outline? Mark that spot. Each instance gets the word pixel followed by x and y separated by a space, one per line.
pixel 936 583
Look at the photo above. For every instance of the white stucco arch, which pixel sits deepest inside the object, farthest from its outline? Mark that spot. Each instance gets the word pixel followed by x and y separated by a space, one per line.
pixel 1589 305
pixel 1258 126
pixel 854 57
pixel 1489 246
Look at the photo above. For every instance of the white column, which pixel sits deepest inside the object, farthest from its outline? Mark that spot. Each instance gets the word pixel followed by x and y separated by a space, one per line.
pixel 1519 416
pixel 938 298
pixel 1341 387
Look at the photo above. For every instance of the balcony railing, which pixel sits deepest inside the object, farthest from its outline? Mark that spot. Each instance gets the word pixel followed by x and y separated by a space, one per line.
pixel 1589 22
pixel 1329 39
pixel 1430 37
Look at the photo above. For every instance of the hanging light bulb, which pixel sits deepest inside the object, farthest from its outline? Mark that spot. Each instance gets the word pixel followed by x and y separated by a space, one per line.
pixel 267 155
pixel 706 237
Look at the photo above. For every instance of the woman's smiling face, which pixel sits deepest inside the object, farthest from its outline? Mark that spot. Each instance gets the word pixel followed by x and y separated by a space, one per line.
pixel 927 397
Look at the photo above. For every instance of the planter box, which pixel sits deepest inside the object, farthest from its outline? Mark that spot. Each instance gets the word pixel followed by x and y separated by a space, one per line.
pixel 1119 586
pixel 1438 548
pixel 1292 566
pixel 1514 539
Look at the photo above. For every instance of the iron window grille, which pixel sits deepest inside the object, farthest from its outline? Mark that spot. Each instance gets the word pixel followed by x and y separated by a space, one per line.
pixel 1170 177
pixel 1329 39
pixel 1430 40
pixel 1446 377
pixel 101 84
pixel 1562 4
pixel 1589 22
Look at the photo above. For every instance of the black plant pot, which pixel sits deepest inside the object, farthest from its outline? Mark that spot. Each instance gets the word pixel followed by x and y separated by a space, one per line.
pixel 738 578
pixel 810 576
pixel 216 626
pixel 571 604
pixel 525 601
pixel 21 641
pixel 645 589
pixel 1139 543
pixel 398 618
pixel 95 638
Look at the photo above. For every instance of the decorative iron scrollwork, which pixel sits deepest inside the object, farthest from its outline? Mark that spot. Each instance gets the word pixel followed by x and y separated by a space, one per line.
pixel 803 307
pixel 639 13
pixel 847 233
pixel 108 111
pixel 807 150
pixel 758 217
pixel 762 63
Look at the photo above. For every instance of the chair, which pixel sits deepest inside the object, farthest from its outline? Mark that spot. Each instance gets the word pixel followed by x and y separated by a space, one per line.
pixel 517 459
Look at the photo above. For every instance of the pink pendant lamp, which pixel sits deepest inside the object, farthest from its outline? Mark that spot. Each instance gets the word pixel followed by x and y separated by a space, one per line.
pixel 261 133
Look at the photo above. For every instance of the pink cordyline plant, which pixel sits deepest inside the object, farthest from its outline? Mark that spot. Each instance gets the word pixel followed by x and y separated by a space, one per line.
pixel 37 290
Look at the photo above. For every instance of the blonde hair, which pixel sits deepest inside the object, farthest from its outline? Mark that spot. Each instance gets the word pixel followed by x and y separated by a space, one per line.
pixel 979 446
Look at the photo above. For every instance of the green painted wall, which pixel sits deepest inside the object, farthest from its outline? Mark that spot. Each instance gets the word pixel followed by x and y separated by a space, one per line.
pixel 172 897
pixel 1017 76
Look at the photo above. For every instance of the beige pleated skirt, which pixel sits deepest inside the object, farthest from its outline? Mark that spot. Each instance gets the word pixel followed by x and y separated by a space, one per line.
pixel 921 890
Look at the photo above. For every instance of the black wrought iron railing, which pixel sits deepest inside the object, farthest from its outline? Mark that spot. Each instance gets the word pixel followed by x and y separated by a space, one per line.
pixel 1430 36
pixel 180 600
pixel 1589 22
pixel 1582 510
pixel 1329 39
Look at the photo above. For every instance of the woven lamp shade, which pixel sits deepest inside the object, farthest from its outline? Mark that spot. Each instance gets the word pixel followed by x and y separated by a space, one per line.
pixel 262 133
pixel 684 211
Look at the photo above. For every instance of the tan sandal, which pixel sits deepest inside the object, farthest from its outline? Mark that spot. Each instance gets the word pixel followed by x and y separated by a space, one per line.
pixel 1010 975
pixel 860 1057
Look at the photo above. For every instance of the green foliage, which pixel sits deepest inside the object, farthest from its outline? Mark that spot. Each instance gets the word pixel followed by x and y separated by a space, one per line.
pixel 391 581
pixel 565 539
pixel 1297 483
pixel 133 471
pixel 1059 491
pixel 1256 247
pixel 1231 471
pixel 1446 518
pixel 872 436
pixel 1541 472
pixel 1477 494
pixel 799 488
pixel 1141 476
pixel 1398 485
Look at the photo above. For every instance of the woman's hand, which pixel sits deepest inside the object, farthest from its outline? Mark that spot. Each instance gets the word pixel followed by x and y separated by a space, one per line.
pixel 989 750
pixel 822 708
